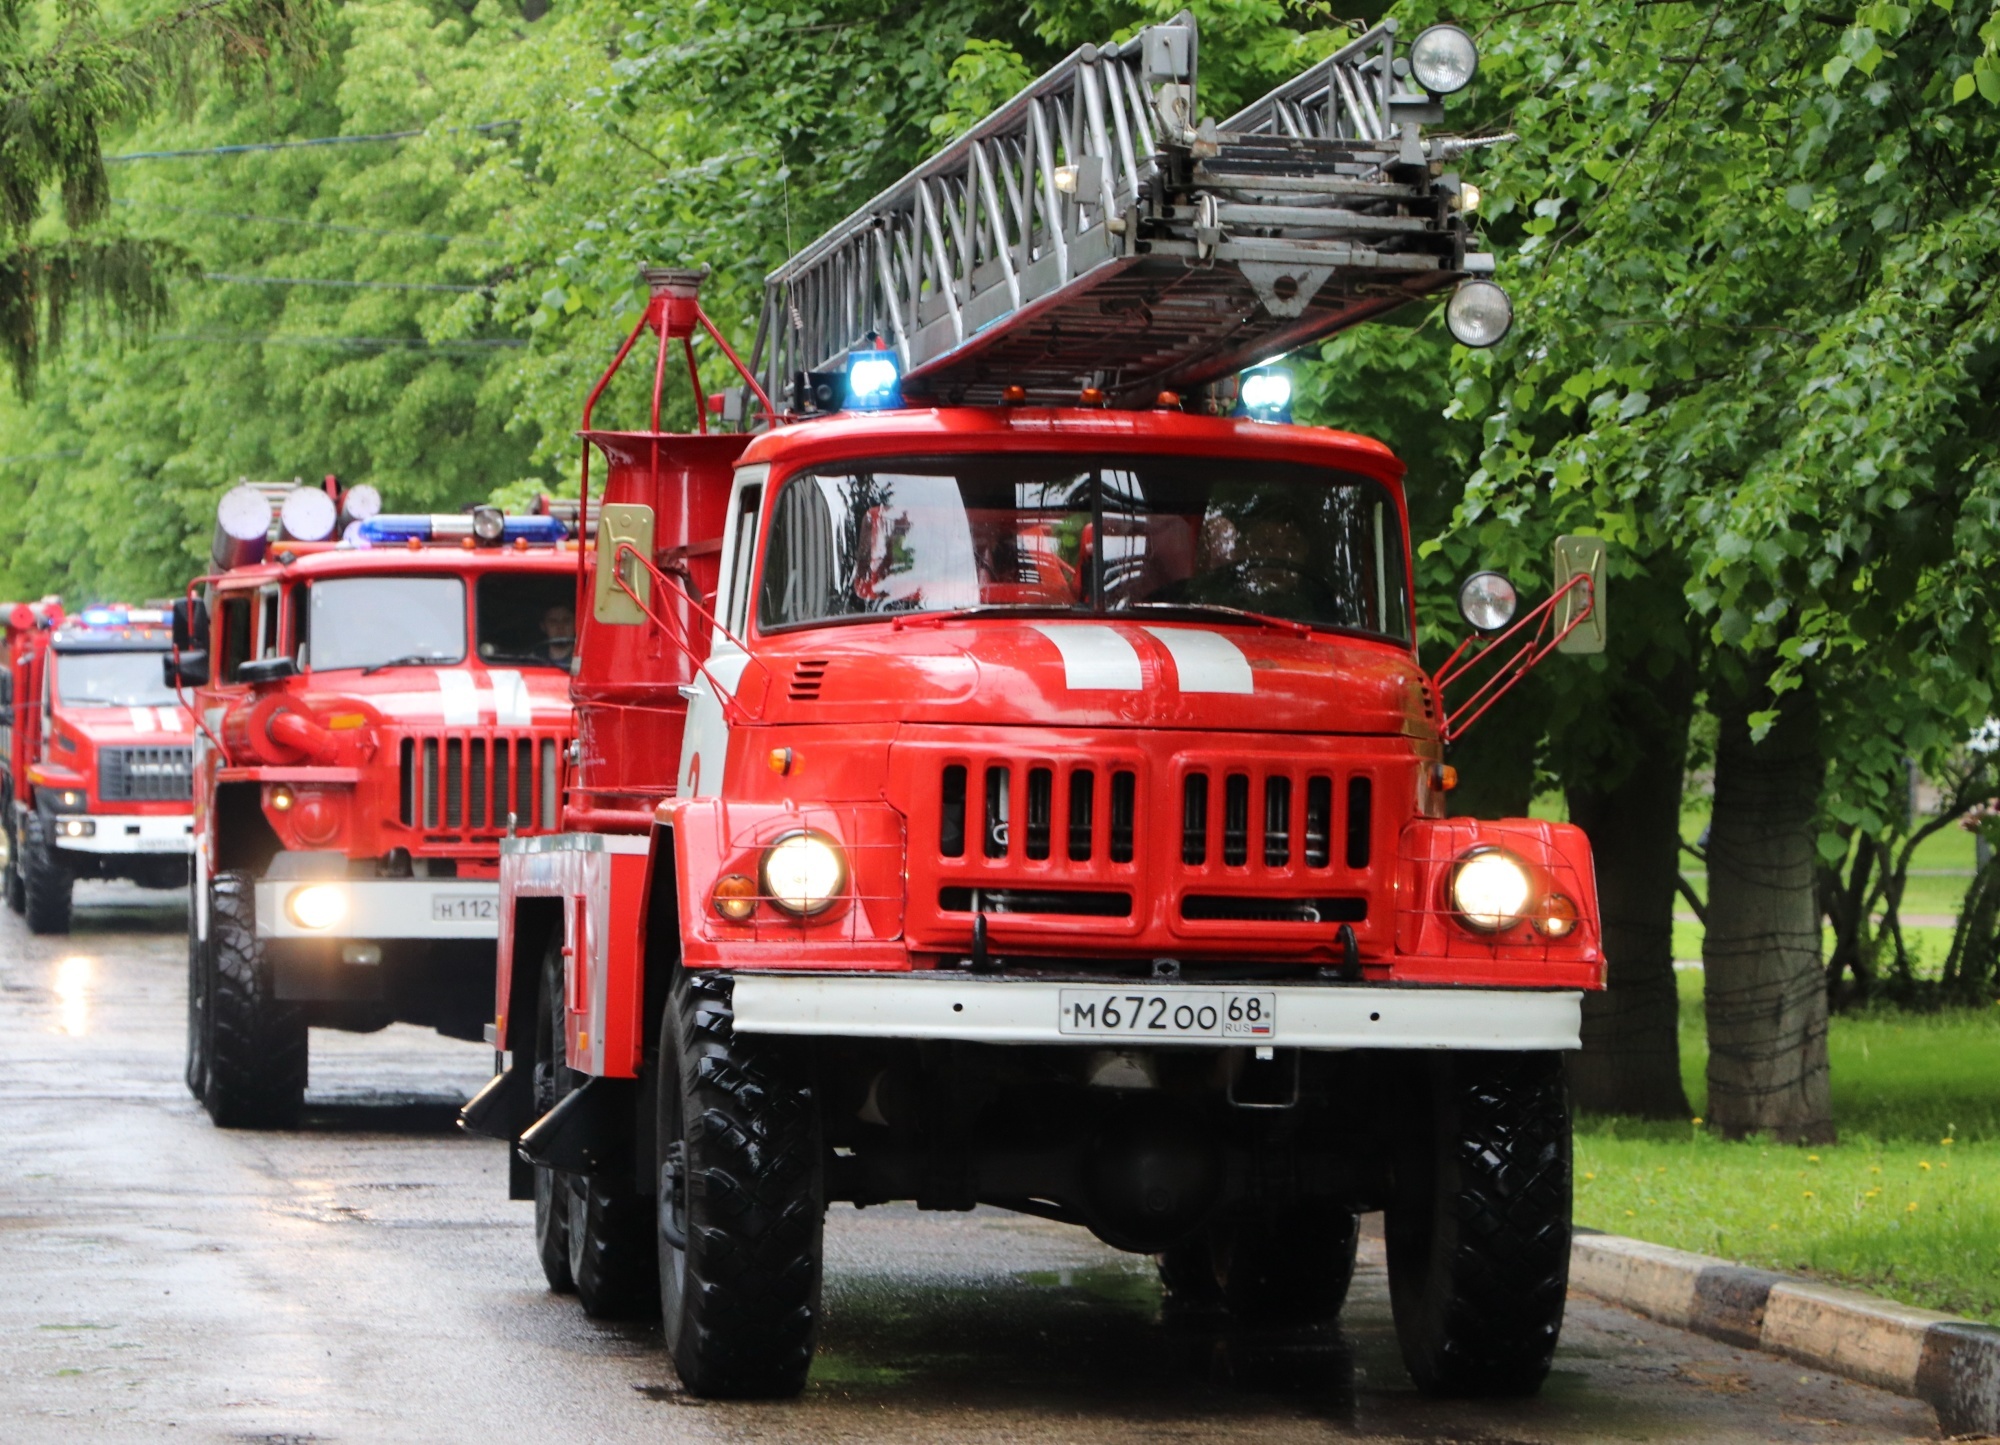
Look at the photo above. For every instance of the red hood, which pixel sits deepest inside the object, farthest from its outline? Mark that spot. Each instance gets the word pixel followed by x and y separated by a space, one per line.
pixel 1206 675
pixel 465 695
pixel 117 727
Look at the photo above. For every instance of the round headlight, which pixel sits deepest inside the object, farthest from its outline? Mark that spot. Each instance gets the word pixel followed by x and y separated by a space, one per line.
pixel 1478 314
pixel 804 872
pixel 318 906
pixel 1444 59
pixel 1487 601
pixel 1490 889
pixel 489 524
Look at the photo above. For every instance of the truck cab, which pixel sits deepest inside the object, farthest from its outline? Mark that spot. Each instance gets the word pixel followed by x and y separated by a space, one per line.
pixel 375 716
pixel 97 759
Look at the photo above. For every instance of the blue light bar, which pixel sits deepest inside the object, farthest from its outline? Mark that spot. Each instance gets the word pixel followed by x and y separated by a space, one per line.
pixel 874 381
pixel 391 527
pixel 535 530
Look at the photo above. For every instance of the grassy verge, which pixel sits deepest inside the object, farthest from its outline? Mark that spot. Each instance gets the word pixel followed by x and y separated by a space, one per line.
pixel 1907 1204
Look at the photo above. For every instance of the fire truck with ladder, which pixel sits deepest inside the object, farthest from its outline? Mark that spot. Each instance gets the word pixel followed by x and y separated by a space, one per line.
pixel 380 700
pixel 1005 772
pixel 94 756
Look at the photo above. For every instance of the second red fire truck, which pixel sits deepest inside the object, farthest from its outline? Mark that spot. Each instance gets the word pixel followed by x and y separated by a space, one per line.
pixel 95 756
pixel 375 715
pixel 1008 778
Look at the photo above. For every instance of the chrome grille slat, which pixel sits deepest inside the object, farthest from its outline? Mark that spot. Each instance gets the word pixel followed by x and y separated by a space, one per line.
pixel 146 775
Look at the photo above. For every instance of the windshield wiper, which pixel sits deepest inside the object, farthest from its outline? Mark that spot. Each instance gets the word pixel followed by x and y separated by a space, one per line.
pixel 532 659
pixel 408 659
pixel 1262 619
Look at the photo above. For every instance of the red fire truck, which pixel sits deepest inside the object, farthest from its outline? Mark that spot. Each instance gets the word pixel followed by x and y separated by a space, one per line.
pixel 1007 778
pixel 375 715
pixel 94 756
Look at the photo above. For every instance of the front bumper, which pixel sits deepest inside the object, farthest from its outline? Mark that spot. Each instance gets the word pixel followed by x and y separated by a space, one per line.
pixel 1025 1011
pixel 389 908
pixel 126 833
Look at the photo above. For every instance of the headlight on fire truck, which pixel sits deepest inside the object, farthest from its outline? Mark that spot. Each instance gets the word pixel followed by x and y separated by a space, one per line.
pixel 317 906
pixel 804 872
pixel 1490 890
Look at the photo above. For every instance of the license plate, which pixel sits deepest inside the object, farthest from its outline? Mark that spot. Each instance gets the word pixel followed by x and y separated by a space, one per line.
pixel 1160 1013
pixel 465 908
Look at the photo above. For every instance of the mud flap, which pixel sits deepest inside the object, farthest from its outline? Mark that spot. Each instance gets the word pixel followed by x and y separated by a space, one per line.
pixel 589 1132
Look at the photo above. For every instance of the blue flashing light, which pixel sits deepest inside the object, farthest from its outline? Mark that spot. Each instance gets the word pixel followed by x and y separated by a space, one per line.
pixel 1266 395
pixel 874 381
pixel 101 616
pixel 387 528
pixel 545 531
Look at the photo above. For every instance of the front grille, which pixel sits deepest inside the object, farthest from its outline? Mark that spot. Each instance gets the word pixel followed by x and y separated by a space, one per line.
pixel 146 775
pixel 989 791
pixel 465 782
pixel 1261 818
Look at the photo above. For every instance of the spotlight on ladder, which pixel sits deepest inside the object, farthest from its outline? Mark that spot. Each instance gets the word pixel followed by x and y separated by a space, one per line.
pixel 1265 394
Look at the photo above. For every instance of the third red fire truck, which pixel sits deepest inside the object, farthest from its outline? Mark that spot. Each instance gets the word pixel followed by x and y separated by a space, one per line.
pixel 376 713
pixel 1007 778
pixel 94 756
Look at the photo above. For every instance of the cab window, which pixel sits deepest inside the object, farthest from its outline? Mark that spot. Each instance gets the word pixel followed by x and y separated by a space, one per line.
pixel 739 568
pixel 370 622
pixel 234 630
pixel 527 619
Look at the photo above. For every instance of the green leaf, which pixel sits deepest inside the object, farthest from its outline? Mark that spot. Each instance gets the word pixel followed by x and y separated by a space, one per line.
pixel 1800 196
pixel 1963 88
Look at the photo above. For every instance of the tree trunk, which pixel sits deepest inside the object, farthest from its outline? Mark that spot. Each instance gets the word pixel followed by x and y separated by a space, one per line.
pixel 1631 1059
pixel 1766 991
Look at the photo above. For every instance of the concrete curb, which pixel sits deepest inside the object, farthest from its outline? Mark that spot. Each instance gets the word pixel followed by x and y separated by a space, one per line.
pixel 1951 1364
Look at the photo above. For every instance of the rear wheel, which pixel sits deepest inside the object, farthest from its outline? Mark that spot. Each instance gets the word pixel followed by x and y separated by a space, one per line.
pixel 254 1047
pixel 551 1082
pixel 1289 1268
pixel 46 885
pixel 1479 1232
pixel 11 884
pixel 742 1202
pixel 611 1252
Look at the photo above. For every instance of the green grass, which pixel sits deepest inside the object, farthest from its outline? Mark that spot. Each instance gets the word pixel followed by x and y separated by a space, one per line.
pixel 1892 1207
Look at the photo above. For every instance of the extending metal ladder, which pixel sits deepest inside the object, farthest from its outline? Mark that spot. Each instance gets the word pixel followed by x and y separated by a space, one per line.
pixel 1094 231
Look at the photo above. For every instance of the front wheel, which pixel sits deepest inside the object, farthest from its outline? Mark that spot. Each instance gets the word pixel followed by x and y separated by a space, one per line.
pixel 46 885
pixel 254 1050
pixel 742 1202
pixel 551 1082
pixel 197 1005
pixel 1478 1233
pixel 11 885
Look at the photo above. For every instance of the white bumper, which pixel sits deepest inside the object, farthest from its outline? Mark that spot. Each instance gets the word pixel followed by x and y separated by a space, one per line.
pixel 1010 1011
pixel 122 833
pixel 388 908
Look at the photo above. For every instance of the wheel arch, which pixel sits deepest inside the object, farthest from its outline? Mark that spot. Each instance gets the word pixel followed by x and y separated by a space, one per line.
pixel 244 838
pixel 536 922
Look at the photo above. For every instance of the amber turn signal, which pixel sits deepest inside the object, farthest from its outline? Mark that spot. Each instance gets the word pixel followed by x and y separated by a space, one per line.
pixel 735 897
pixel 783 761
pixel 1444 777
pixel 1556 918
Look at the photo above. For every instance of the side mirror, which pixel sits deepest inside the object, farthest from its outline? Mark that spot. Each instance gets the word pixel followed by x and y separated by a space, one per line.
pixel 267 669
pixel 1487 601
pixel 1580 613
pixel 190 624
pixel 626 524
pixel 193 671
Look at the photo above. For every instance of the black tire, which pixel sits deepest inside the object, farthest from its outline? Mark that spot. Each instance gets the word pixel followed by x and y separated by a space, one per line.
pixel 255 1046
pixel 551 1081
pixel 12 885
pixel 612 1258
pixel 1478 1233
pixel 1291 1269
pixel 742 1202
pixel 46 885
pixel 197 1007
pixel 1187 1278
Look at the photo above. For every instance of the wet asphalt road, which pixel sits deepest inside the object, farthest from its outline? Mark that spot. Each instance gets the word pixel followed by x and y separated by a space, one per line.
pixel 366 1279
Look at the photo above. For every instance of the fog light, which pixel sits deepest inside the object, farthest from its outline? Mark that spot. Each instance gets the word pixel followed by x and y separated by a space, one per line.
pixel 282 799
pixel 804 872
pixel 77 828
pixel 735 897
pixel 1490 890
pixel 367 955
pixel 318 906
pixel 1556 918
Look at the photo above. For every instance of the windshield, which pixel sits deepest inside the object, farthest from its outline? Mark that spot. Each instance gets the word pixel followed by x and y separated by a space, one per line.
pixel 527 618
pixel 373 621
pixel 112 679
pixel 1079 534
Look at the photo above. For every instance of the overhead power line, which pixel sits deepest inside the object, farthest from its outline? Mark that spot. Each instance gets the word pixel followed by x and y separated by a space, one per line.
pixel 286 145
pixel 302 221
pixel 326 281
pixel 199 338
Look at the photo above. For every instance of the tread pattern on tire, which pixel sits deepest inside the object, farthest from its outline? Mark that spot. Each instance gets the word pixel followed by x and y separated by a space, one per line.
pixel 749 1310
pixel 611 1251
pixel 11 884
pixel 551 1082
pixel 196 1073
pixel 1485 1264
pixel 46 886
pixel 256 1054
